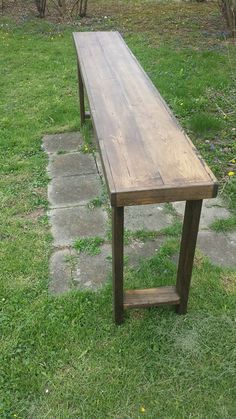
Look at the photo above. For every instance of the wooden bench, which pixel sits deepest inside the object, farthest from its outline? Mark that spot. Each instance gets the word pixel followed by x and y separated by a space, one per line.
pixel 146 157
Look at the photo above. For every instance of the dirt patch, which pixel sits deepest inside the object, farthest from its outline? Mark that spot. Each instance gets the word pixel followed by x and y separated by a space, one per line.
pixel 158 19
pixel 17 8
pixel 199 259
pixel 25 9
pixel 229 282
pixel 34 215
pixel 194 24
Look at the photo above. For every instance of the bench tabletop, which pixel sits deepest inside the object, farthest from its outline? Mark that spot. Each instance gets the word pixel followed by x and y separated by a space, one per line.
pixel 146 155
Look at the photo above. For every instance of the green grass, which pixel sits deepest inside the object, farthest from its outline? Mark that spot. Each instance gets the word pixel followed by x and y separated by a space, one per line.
pixel 89 245
pixel 224 225
pixel 202 124
pixel 100 200
pixel 62 357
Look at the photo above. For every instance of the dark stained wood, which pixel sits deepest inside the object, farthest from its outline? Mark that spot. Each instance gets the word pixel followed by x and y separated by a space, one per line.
pixel 136 197
pixel 151 297
pixel 146 155
pixel 81 96
pixel 117 262
pixel 187 250
pixel 147 158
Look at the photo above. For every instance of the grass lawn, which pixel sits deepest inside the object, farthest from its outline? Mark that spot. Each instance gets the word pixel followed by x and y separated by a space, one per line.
pixel 62 357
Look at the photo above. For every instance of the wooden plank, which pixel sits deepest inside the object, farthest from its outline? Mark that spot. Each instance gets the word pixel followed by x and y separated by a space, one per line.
pixel 187 250
pixel 142 146
pixel 151 297
pixel 162 194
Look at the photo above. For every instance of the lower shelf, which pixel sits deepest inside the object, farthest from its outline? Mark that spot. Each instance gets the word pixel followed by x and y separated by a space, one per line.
pixel 151 297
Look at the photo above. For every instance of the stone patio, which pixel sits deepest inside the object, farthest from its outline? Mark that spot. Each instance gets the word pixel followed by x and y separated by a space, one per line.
pixel 76 180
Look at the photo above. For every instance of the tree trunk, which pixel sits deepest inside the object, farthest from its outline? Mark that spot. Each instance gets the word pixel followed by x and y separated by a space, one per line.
pixel 62 5
pixel 41 6
pixel 83 8
pixel 228 9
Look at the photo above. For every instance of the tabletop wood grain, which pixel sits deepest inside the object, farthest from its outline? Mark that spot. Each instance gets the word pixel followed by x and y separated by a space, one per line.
pixel 146 155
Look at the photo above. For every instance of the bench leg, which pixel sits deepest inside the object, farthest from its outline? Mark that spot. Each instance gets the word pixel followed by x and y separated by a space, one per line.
pixel 117 262
pixel 81 96
pixel 187 250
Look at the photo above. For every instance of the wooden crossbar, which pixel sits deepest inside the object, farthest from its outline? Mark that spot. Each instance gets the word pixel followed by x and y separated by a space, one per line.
pixel 151 297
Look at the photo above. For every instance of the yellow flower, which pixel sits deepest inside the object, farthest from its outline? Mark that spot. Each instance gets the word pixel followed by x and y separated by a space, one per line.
pixel 142 409
pixel 233 161
pixel 231 174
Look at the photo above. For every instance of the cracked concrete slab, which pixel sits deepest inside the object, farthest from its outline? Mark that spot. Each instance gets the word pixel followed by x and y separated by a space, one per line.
pixel 212 209
pixel 60 272
pixel 232 237
pixel 91 272
pixel 220 249
pixel 74 190
pixel 68 224
pixel 139 251
pixel 70 141
pixel 71 164
pixel 147 217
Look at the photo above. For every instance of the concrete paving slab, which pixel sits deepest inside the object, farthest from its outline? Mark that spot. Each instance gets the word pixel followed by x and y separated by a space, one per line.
pixel 73 190
pixel 93 271
pixel 218 247
pixel 138 251
pixel 232 236
pixel 147 217
pixel 60 272
pixel 212 209
pixel 55 143
pixel 67 224
pixel 71 164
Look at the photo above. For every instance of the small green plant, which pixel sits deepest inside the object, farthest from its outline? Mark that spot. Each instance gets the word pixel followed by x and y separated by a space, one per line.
pixel 224 225
pixel 99 200
pixel 174 230
pixel 95 203
pixel 87 148
pixel 128 236
pixel 169 209
pixel 72 261
pixel 144 236
pixel 89 245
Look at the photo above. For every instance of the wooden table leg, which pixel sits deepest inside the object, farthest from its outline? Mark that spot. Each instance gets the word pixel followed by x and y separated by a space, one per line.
pixel 187 250
pixel 117 262
pixel 81 96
